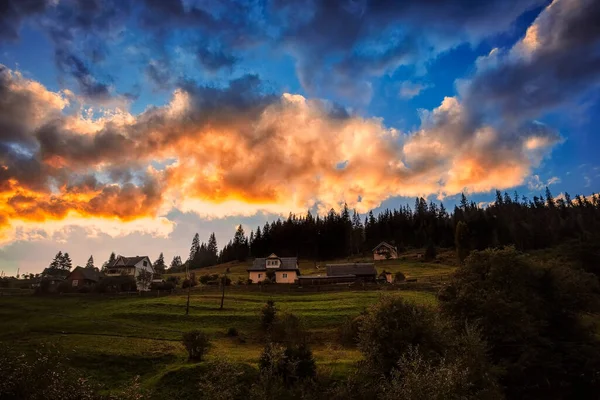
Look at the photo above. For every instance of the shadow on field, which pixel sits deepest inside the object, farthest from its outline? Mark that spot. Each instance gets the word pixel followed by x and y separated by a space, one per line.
pixel 116 370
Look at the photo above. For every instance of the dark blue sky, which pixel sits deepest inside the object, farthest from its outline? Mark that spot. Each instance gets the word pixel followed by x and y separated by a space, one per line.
pixel 156 102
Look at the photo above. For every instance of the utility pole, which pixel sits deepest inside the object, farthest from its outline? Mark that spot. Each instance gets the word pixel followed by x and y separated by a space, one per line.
pixel 187 273
pixel 223 282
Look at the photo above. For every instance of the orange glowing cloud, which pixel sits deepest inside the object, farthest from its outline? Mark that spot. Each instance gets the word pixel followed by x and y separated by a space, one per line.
pixel 232 151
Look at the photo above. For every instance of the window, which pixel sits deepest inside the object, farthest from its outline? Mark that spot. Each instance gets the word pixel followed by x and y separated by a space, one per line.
pixel 145 263
pixel 75 282
pixel 285 275
pixel 259 276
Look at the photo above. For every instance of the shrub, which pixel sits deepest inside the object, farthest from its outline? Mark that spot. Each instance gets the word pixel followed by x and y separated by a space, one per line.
pixel 116 284
pixel 232 332
pixel 85 289
pixel 430 252
pixel 266 281
pixel 391 326
pixel 348 331
pixel 528 314
pixel 268 314
pixel 173 280
pixel 167 286
pixel 64 287
pixel 204 279
pixel 399 277
pixel 41 376
pixel 249 281
pixel 271 275
pixel 197 344
pixel 241 281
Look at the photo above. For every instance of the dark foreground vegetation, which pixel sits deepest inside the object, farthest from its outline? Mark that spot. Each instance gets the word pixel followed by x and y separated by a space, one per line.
pixel 506 325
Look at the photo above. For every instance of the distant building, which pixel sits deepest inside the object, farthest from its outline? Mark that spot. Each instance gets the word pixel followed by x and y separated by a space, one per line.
pixel 385 251
pixel 130 266
pixel 284 269
pixel 342 273
pixel 81 277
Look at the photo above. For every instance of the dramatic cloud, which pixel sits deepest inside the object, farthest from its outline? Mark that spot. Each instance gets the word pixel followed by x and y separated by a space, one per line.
pixel 236 150
pixel 557 61
pixel 340 45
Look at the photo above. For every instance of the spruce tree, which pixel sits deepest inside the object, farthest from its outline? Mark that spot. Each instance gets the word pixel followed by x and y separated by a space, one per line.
pixel 195 247
pixel 90 263
pixel 57 261
pixel 159 264
pixel 66 262
pixel 212 249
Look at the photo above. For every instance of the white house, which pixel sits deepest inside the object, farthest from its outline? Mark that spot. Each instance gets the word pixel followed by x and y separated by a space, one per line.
pixel 130 266
pixel 283 269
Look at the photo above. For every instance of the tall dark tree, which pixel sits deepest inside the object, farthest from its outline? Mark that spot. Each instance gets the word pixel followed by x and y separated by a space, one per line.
pixel 194 247
pixel 65 262
pixel 90 263
pixel 212 249
pixel 56 261
pixel 159 264
pixel 176 264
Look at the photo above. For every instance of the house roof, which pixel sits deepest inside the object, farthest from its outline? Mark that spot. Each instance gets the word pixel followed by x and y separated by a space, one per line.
pixel 121 261
pixel 91 274
pixel 287 264
pixel 357 269
pixel 386 245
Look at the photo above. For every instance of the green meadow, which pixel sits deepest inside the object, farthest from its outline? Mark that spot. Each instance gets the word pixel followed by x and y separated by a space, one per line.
pixel 113 339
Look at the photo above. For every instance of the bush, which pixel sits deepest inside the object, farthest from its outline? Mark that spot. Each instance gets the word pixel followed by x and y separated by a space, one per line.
pixel 348 331
pixel 249 281
pixel 292 362
pixel 173 280
pixel 64 287
pixel 41 376
pixel 266 281
pixel 116 284
pixel 268 314
pixel 232 332
pixel 85 289
pixel 166 286
pixel 430 252
pixel 392 326
pixel 271 275
pixel 197 344
pixel 529 314
pixel 399 277
pixel 204 279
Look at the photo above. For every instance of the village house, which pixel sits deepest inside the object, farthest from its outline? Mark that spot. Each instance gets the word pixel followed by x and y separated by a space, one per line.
pixel 81 277
pixel 130 266
pixel 385 251
pixel 283 269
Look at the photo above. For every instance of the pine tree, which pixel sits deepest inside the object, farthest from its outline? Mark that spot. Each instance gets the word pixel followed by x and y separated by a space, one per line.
pixel 176 264
pixel 57 261
pixel 90 263
pixel 462 240
pixel 195 247
pixel 111 259
pixel 212 249
pixel 159 264
pixel 66 262
pixel 240 244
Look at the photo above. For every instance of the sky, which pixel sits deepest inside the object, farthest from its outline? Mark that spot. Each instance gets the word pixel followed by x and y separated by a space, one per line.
pixel 130 125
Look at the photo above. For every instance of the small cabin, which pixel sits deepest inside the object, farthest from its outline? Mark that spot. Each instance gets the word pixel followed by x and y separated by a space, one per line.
pixel 385 251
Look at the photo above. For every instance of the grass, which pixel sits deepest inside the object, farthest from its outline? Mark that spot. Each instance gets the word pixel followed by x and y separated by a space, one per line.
pixel 114 339
pixel 410 263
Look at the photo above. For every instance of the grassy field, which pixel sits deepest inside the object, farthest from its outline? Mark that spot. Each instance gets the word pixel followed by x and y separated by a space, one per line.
pixel 410 263
pixel 114 339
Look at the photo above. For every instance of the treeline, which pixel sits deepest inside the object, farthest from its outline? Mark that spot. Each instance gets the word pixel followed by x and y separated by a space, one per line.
pixel 525 223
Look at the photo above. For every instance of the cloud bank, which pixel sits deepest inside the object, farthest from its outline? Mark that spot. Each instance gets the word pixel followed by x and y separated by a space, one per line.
pixel 239 149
